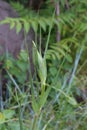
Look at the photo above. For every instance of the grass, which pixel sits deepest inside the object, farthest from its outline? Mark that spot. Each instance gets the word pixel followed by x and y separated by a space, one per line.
pixel 49 107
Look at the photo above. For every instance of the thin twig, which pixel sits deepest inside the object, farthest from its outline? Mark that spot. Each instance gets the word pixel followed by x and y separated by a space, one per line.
pixel 57 7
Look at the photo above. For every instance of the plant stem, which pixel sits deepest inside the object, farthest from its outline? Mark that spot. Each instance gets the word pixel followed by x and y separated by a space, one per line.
pixel 1 101
pixel 78 56
pixel 34 127
pixel 48 38
pixel 57 7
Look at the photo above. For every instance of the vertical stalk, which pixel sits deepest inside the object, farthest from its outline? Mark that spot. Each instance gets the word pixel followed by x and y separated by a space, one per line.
pixel 49 34
pixel 67 4
pixel 35 122
pixel 57 7
pixel 1 101
pixel 40 42
pixel 78 56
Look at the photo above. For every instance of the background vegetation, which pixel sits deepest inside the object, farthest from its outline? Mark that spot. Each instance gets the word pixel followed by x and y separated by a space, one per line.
pixel 55 97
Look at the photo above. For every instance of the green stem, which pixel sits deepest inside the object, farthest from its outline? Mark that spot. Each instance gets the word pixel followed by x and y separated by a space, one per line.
pixel 34 127
pixel 50 28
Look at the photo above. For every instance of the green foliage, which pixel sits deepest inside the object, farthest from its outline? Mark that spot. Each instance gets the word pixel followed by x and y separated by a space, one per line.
pixel 19 66
pixel 27 23
pixel 23 12
pixel 52 95
pixel 6 116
